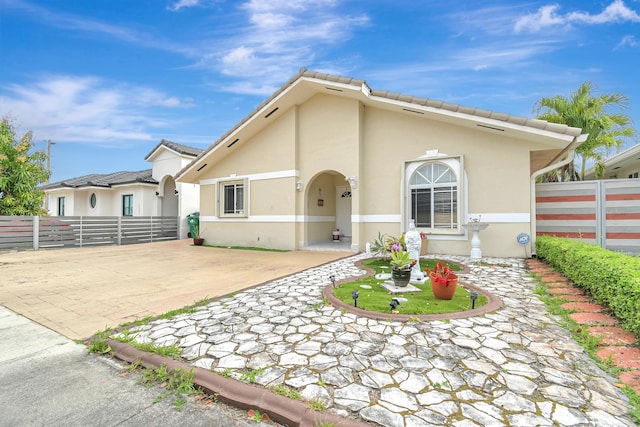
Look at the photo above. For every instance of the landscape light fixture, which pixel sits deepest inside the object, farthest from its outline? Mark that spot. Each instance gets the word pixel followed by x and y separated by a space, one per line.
pixel 474 297
pixel 393 304
pixel 355 295
pixel 333 280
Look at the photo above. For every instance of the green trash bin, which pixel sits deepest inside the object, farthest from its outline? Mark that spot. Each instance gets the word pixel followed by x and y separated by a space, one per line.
pixel 194 224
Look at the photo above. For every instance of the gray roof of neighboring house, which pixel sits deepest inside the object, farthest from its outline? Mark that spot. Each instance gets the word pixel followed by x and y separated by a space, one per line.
pixel 104 180
pixel 178 148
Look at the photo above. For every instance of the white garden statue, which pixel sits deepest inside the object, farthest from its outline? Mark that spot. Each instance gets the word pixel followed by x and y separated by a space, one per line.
pixel 413 241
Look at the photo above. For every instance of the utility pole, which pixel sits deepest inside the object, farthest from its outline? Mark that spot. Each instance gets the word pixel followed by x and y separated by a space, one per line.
pixel 46 196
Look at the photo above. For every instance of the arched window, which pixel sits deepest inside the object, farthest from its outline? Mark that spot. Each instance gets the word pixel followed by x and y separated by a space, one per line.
pixel 434 196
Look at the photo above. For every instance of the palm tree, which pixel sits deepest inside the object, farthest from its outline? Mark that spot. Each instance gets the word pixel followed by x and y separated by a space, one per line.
pixel 590 113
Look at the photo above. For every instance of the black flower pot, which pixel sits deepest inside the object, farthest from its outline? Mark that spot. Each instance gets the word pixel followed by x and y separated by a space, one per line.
pixel 401 277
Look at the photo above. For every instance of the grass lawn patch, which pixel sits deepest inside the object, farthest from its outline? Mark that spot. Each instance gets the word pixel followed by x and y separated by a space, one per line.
pixel 377 298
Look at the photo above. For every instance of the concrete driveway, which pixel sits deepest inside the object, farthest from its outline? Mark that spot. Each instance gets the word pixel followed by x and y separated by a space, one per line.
pixel 78 292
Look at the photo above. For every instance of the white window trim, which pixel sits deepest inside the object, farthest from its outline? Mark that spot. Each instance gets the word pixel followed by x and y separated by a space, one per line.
pixel 221 184
pixel 456 164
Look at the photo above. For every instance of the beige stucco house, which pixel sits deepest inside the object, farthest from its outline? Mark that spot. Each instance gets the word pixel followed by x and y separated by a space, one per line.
pixel 327 152
pixel 149 192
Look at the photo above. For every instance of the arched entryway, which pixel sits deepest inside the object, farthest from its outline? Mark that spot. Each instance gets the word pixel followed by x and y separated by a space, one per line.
pixel 328 207
pixel 168 197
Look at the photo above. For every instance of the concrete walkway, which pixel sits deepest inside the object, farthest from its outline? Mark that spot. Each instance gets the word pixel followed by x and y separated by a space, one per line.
pixel 512 367
pixel 78 292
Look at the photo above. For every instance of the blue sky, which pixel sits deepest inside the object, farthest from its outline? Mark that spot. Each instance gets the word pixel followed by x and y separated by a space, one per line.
pixel 106 80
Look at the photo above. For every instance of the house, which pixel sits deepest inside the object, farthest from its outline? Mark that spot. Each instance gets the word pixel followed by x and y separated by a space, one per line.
pixel 326 152
pixel 625 164
pixel 150 192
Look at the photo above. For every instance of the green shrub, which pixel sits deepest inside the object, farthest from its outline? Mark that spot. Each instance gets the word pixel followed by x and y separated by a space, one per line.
pixel 612 279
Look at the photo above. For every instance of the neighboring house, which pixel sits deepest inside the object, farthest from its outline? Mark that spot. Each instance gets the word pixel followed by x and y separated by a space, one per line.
pixel 327 152
pixel 623 165
pixel 151 192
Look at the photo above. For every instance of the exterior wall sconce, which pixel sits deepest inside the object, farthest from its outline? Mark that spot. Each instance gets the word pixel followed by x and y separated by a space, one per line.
pixel 157 193
pixel 299 185
pixel 353 181
pixel 175 192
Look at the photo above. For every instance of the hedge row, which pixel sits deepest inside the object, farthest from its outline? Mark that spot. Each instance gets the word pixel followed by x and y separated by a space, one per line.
pixel 612 279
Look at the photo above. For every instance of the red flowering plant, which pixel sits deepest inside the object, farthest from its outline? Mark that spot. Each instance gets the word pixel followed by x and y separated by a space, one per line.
pixel 442 274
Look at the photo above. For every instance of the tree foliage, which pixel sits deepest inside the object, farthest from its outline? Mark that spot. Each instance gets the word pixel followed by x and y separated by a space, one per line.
pixel 21 171
pixel 606 129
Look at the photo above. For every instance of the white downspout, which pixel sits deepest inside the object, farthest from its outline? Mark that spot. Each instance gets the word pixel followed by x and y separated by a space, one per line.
pixel 571 149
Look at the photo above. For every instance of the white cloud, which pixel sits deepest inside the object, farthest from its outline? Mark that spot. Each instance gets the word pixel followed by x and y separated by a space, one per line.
pixel 615 12
pixel 86 109
pixel 545 16
pixel 548 16
pixel 182 3
pixel 630 41
pixel 279 37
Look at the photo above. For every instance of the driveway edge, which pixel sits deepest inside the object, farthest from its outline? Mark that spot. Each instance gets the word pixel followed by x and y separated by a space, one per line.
pixel 280 409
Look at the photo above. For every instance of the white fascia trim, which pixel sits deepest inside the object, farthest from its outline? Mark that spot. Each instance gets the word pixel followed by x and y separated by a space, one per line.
pixel 502 217
pixel 375 218
pixel 253 177
pixel 270 218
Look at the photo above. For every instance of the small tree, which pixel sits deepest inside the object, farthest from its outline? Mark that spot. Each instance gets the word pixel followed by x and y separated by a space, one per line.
pixel 582 110
pixel 20 174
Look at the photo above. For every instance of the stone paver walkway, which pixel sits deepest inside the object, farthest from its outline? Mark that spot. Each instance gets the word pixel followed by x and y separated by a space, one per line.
pixel 513 367
pixel 617 346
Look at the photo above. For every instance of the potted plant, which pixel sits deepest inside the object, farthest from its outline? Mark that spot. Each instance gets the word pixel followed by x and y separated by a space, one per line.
pixel 401 264
pixel 197 240
pixel 443 281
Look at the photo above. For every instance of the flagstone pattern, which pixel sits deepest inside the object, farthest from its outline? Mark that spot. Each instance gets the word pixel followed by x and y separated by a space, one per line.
pixel 512 367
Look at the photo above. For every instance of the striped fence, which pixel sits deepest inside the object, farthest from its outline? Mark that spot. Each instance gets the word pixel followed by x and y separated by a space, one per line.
pixel 605 213
pixel 27 232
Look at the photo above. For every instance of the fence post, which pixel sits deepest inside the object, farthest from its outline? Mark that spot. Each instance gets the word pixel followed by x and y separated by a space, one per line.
pixel 119 231
pixel 151 228
pixel 36 233
pixel 601 217
pixel 80 230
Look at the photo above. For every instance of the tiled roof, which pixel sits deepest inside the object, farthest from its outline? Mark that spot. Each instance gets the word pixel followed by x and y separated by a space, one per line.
pixel 178 148
pixel 105 180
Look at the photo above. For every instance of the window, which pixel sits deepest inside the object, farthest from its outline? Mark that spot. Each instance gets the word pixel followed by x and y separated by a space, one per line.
pixel 60 206
pixel 434 197
pixel 233 198
pixel 92 200
pixel 127 205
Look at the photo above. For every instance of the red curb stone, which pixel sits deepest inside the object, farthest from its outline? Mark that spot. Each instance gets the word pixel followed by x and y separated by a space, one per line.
pixel 280 409
pixel 613 336
pixel 588 307
pixel 574 298
pixel 555 277
pixel 622 357
pixel 632 379
pixel 594 319
pixel 565 291
pixel 558 285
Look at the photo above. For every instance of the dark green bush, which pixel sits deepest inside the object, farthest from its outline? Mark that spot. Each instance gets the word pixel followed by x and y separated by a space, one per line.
pixel 612 279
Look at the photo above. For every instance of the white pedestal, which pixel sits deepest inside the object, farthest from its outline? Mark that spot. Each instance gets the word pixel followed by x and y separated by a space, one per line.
pixel 476 252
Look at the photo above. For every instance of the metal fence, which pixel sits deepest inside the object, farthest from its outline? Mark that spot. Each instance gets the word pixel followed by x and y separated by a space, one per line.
pixel 32 232
pixel 605 213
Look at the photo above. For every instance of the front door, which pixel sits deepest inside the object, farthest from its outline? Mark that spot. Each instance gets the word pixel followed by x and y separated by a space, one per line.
pixel 343 209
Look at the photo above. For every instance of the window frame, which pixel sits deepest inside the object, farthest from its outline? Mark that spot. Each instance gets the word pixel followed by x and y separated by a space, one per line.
pixel 456 165
pixel 61 205
pixel 124 207
pixel 93 200
pixel 222 198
